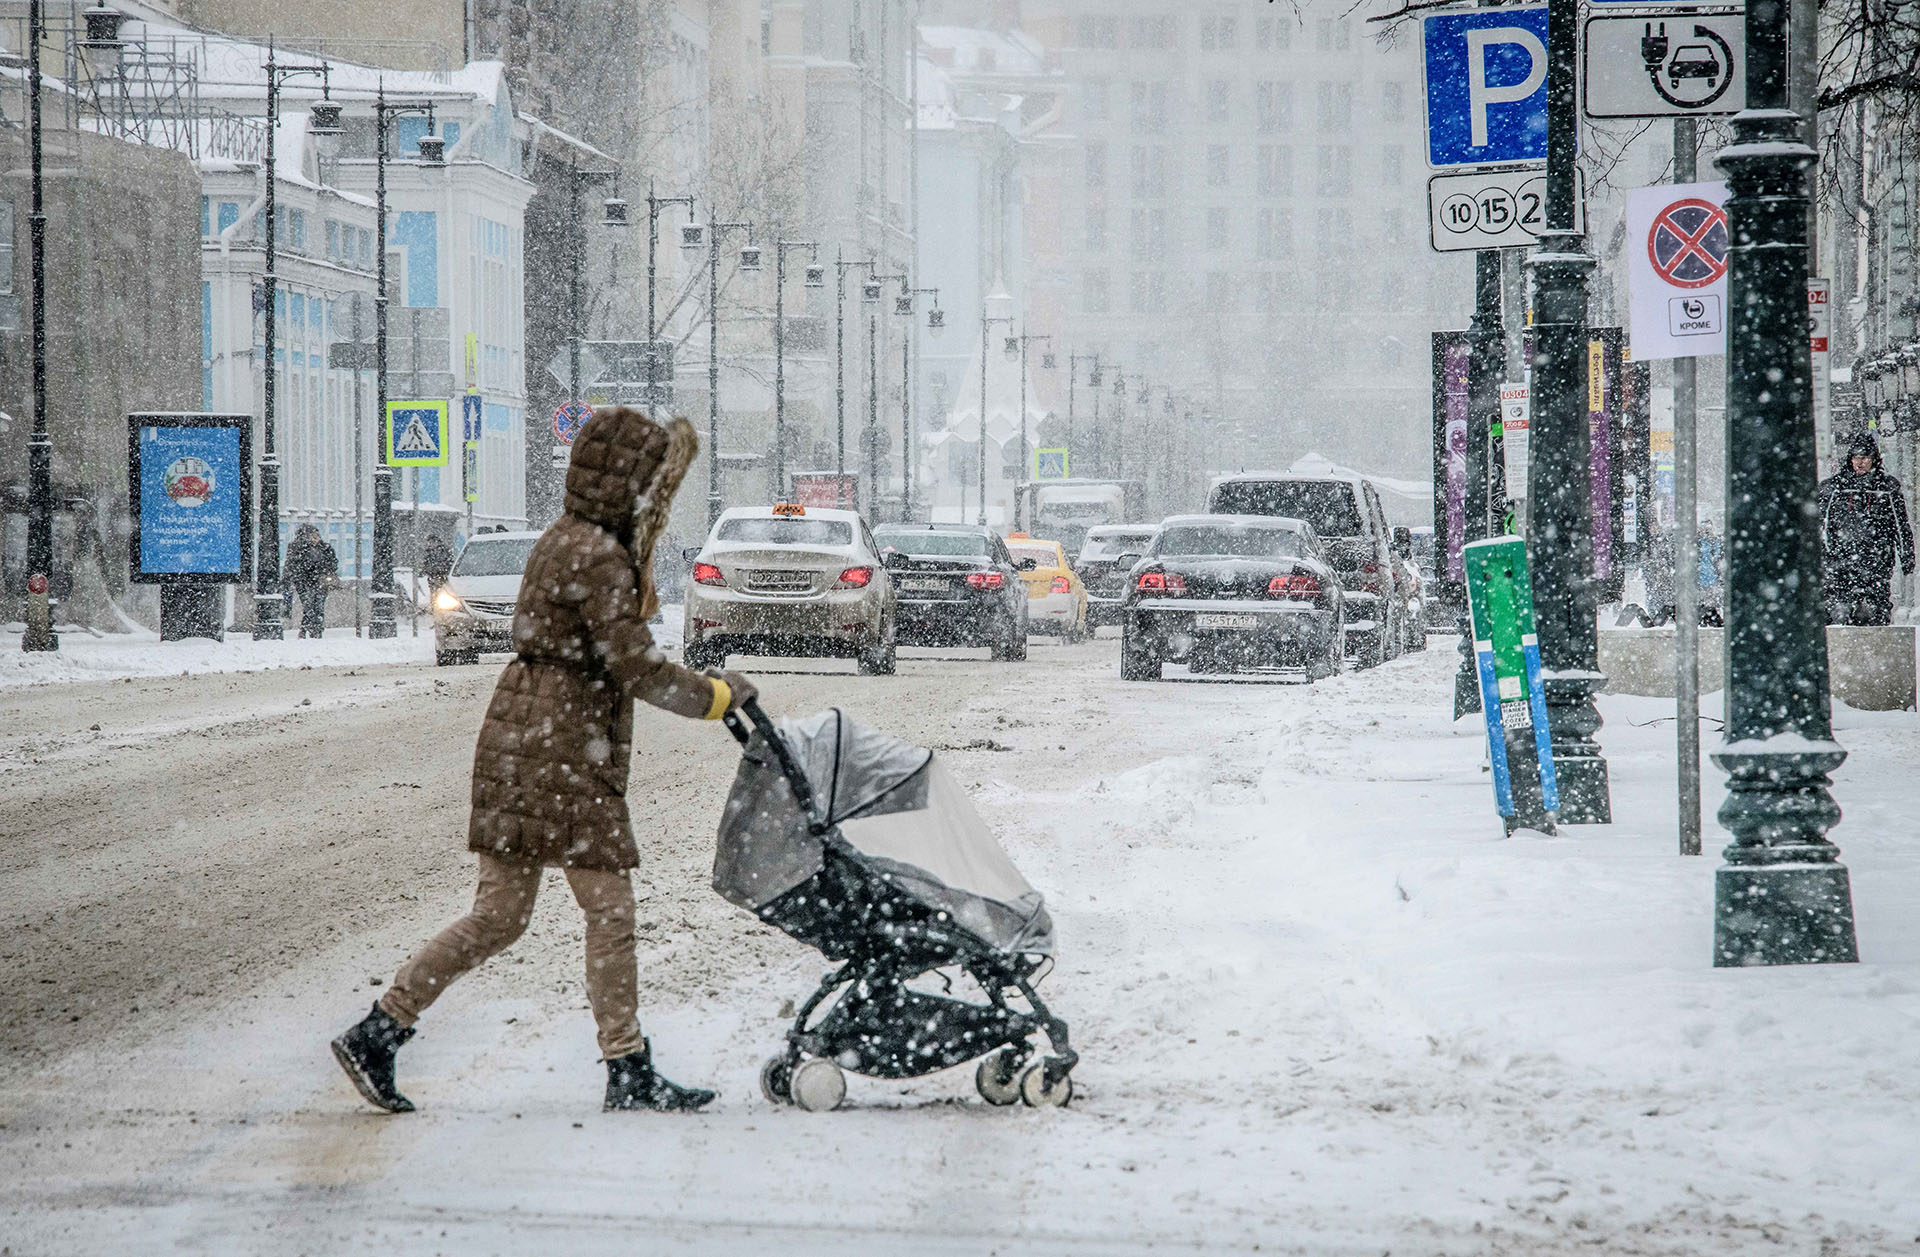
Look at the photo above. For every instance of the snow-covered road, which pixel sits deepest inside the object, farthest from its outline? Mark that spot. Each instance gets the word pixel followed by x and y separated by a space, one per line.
pixel 1323 1007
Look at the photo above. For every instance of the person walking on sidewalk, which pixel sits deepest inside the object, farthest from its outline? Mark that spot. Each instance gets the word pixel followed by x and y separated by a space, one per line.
pixel 436 563
pixel 550 769
pixel 1863 530
pixel 312 569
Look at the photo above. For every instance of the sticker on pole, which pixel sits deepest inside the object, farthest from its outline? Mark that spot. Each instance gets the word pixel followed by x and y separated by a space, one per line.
pixel 1678 242
pixel 569 419
pixel 1516 421
pixel 417 434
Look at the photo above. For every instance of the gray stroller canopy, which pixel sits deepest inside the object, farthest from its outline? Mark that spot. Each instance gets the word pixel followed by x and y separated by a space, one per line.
pixel 900 811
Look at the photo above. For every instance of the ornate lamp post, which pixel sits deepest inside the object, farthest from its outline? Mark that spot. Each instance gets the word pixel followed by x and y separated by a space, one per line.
pixel 840 267
pixel 816 278
pixel 39 634
pixel 690 240
pixel 1782 896
pixel 936 320
pixel 654 205
pixel 1562 525
pixel 1025 339
pixel 1093 378
pixel 1119 463
pixel 380 622
pixel 326 123
pixel 986 324
pixel 872 438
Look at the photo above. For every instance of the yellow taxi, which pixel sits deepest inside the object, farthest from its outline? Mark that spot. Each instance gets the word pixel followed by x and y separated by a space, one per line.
pixel 1056 600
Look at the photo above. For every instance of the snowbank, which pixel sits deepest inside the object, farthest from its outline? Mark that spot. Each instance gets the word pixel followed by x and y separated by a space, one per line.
pixel 85 656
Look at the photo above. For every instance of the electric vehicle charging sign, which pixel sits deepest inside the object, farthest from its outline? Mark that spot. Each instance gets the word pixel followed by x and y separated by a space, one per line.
pixel 1486 83
pixel 1665 65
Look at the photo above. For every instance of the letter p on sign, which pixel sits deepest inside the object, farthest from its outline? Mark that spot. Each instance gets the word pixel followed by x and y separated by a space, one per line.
pixel 1479 94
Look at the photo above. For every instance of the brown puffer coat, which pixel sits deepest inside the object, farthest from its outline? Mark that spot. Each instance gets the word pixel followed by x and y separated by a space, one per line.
pixel 550 770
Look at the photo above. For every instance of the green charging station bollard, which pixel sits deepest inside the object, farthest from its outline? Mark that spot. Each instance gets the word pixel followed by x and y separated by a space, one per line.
pixel 1500 604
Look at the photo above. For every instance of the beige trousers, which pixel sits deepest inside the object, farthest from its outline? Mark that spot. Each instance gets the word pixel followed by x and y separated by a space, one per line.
pixel 502 905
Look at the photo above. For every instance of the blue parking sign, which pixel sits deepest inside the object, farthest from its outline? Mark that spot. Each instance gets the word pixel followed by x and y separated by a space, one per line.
pixel 1486 75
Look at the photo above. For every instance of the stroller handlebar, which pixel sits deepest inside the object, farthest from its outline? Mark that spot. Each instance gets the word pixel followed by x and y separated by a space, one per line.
pixel 750 718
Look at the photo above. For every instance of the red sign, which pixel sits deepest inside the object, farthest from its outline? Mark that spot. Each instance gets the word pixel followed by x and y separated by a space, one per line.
pixel 825 488
pixel 37 583
pixel 569 419
pixel 1688 244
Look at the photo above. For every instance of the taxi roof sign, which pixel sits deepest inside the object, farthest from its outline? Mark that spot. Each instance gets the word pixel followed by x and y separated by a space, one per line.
pixel 789 509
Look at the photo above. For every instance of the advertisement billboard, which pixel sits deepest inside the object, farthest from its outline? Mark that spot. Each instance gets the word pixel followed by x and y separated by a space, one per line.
pixel 190 477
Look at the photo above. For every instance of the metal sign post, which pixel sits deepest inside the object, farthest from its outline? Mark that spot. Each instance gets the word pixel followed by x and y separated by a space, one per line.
pixel 1500 598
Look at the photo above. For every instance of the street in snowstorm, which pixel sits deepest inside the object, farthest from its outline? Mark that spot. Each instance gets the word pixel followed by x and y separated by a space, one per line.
pixel 1323 1008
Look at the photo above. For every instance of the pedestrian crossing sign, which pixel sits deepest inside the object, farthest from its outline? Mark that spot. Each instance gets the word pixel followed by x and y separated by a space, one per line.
pixel 417 434
pixel 1049 464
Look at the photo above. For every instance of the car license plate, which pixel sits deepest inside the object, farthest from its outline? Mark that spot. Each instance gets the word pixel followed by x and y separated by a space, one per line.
pixel 1225 621
pixel 923 586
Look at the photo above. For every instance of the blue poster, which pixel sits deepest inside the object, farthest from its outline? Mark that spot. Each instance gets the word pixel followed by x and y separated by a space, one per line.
pixel 193 502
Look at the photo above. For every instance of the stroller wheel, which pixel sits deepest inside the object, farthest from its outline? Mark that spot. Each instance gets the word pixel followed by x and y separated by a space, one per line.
pixel 997 1078
pixel 818 1085
pixel 1034 1089
pixel 776 1080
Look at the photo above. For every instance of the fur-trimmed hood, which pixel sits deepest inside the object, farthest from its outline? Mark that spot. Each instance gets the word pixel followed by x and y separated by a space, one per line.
pixel 623 475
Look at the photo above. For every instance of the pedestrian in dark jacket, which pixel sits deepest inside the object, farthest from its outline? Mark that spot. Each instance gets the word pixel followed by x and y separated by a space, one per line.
pixel 312 568
pixel 436 562
pixel 550 770
pixel 1863 532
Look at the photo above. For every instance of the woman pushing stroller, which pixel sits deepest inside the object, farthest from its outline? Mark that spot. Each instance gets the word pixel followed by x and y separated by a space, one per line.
pixel 550 769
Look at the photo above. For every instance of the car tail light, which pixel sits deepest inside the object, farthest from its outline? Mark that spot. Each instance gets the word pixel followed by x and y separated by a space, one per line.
pixel 986 580
pixel 1161 583
pixel 1293 586
pixel 708 574
pixel 1061 585
pixel 1371 572
pixel 854 578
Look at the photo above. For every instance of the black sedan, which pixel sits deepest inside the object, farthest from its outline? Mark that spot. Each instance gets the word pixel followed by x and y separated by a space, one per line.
pixel 1230 592
pixel 956 585
pixel 1104 577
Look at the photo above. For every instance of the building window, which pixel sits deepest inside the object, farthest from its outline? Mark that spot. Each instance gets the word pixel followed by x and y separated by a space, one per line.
pixel 1335 170
pixel 1096 165
pixel 1216 165
pixel 1393 101
pixel 333 240
pixel 1099 32
pixel 1390 165
pixel 206 216
pixel 1149 292
pixel 1273 107
pixel 6 246
pixel 1276 170
pixel 1333 35
pixel 1219 292
pixel 1149 171
pixel 1218 33
pixel 1219 98
pixel 1333 108
pixel 1266 293
pixel 1096 229
pixel 1273 234
pixel 1093 100
pixel 1217 227
pixel 229 214
pixel 1149 234
pixel 1094 297
pixel 1153 32
pixel 1272 33
pixel 1150 107
pixel 1393 227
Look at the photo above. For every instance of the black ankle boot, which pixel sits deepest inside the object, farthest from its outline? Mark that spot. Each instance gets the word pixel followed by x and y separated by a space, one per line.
pixel 633 1084
pixel 366 1052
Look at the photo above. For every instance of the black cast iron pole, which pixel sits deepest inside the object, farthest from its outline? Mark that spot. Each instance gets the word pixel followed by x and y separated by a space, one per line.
pixel 39 634
pixel 266 586
pixel 1782 897
pixel 1560 482
pixel 1485 362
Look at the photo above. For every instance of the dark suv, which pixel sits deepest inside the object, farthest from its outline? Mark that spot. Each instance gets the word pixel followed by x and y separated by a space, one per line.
pixel 956 585
pixel 1345 512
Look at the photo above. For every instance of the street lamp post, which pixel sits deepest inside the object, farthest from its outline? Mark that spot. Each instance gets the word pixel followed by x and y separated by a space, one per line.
pixel 715 230
pixel 986 324
pixel 266 590
pixel 816 278
pixel 840 267
pixel 872 439
pixel 1093 378
pixel 1782 896
pixel 380 619
pixel 1561 483
pixel 936 319
pixel 1027 338
pixel 39 634
pixel 654 205
pixel 1119 425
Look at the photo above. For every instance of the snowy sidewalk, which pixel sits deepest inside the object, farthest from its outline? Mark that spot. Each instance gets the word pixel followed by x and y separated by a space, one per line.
pixel 85 656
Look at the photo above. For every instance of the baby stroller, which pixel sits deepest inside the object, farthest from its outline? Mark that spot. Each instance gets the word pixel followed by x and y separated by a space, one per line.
pixel 866 848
